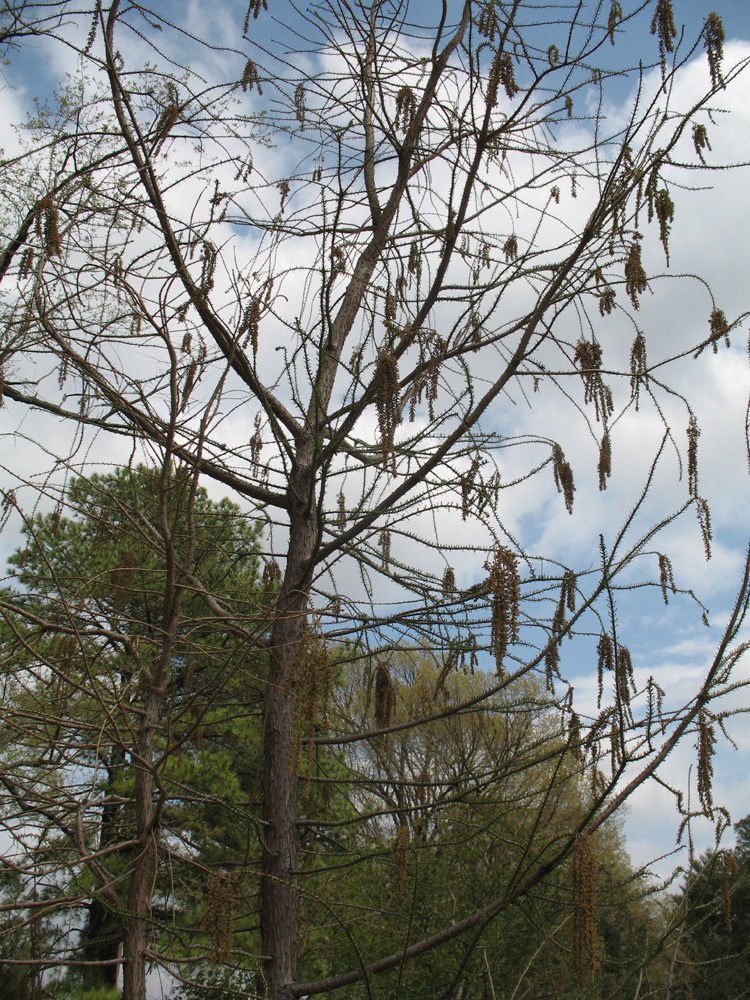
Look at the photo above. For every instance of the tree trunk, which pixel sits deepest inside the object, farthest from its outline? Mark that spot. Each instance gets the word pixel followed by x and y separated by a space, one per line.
pixel 144 859
pixel 101 940
pixel 102 936
pixel 279 899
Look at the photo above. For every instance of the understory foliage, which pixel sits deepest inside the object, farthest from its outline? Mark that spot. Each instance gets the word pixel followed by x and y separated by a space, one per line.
pixel 83 625
pixel 711 956
pixel 322 736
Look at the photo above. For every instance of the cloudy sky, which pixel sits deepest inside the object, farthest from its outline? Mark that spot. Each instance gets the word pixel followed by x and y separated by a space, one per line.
pixel 711 238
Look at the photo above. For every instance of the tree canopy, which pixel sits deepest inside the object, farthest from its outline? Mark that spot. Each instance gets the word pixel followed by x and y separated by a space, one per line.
pixel 322 257
pixel 83 622
pixel 713 952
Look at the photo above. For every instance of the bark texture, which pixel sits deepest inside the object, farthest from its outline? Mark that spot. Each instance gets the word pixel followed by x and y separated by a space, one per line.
pixel 279 896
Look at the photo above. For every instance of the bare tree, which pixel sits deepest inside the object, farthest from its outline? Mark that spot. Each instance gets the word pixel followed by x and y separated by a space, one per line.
pixel 317 268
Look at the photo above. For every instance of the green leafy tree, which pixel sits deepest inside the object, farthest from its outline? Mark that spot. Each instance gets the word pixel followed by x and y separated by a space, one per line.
pixel 83 617
pixel 716 943
pixel 486 793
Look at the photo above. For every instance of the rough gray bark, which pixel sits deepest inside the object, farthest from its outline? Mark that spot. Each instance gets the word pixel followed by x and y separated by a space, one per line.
pixel 279 897
pixel 144 858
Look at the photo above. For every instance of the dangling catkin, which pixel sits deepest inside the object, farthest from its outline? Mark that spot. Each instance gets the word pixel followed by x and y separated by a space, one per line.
pixel 585 943
pixel 504 586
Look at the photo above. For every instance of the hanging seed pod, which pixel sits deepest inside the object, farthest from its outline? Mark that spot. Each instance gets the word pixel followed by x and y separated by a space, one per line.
pixel 256 441
pixel 406 108
pixel 604 466
pixel 663 27
pixel 714 38
pixel 574 737
pixel 250 78
pixel 568 589
pixel 387 399
pixel 693 433
pixel 299 103
pixel 666 578
pixel 635 277
pixel 615 16
pixel 167 121
pixel 706 744
pixel 415 260
pixel 504 586
pixel 432 376
pixel 314 681
pixel 254 8
pixel 48 210
pixel 488 24
pixel 385 697
pixel 654 712
pixel 605 652
pixel 719 328
pixel 219 918
pixel 624 679
pixel 607 301
pixel 638 367
pixel 271 575
pixel 563 477
pixel 250 326
pixel 92 30
pixel 585 941
pixel 207 270
pixel 27 263
pixel 662 206
pixel 700 140
pixel 704 523
pixel 588 358
pixel 338 262
pixel 189 384
pixel 552 665
pixel 501 71
pixel 558 619
pixel 566 601
pixel 385 548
